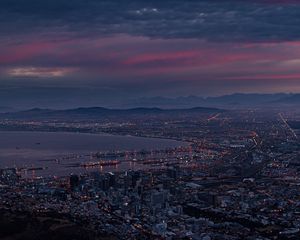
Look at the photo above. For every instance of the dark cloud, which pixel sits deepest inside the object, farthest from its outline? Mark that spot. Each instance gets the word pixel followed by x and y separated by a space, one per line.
pixel 56 53
pixel 214 20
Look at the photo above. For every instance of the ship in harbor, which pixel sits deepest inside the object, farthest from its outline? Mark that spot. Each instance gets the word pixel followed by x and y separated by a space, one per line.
pixel 100 163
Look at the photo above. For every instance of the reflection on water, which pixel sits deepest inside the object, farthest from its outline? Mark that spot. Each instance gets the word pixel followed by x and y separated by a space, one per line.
pixel 61 153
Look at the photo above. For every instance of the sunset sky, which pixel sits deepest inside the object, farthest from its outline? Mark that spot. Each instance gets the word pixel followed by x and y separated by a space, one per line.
pixel 99 52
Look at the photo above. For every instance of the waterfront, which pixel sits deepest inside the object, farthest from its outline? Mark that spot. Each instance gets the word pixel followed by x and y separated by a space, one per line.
pixel 237 178
pixel 59 152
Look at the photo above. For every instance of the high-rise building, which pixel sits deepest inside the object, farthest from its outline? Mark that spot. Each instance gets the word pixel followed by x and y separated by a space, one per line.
pixel 74 182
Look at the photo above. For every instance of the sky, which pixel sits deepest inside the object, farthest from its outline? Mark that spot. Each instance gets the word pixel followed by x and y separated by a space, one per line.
pixel 56 53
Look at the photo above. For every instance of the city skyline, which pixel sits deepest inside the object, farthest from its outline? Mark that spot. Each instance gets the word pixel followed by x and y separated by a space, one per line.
pixel 150 119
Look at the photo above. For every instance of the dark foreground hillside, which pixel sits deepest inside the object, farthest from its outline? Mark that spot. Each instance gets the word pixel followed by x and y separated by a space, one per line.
pixel 21 225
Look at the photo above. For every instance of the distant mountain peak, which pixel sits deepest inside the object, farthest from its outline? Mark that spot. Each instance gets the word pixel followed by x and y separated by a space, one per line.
pixel 224 101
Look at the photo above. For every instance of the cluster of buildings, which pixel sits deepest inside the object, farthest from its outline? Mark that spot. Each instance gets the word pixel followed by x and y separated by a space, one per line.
pixel 163 204
pixel 238 179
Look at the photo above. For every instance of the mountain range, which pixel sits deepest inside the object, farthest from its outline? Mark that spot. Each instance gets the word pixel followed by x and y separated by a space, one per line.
pixel 101 113
pixel 237 100
pixel 232 101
